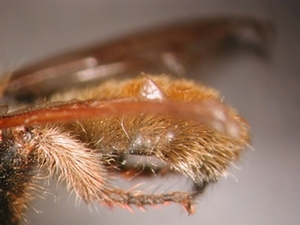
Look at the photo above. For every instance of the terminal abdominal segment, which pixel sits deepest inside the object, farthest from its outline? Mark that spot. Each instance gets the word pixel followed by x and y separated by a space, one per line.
pixel 82 135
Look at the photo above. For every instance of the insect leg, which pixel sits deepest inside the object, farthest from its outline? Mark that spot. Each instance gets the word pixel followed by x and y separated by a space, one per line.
pixel 80 169
pixel 119 197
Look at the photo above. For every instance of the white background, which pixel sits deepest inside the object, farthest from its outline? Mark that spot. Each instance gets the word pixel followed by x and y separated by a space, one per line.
pixel 266 189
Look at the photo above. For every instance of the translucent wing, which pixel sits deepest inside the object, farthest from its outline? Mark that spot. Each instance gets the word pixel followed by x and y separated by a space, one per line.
pixel 171 49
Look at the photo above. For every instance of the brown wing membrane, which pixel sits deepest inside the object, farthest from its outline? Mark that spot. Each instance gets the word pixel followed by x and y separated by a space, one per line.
pixel 206 112
pixel 170 49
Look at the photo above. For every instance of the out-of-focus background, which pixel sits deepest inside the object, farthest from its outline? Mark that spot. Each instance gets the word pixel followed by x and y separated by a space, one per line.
pixel 265 190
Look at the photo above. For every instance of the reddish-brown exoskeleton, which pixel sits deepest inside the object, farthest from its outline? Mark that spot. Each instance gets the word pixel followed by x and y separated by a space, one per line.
pixel 81 135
